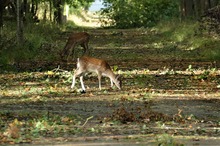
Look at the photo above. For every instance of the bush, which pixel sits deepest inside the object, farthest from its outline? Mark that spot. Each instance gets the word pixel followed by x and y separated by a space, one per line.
pixel 38 44
pixel 130 14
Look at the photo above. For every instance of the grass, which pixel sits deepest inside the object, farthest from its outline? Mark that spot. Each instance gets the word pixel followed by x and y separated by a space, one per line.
pixel 23 126
pixel 36 46
pixel 167 140
pixel 181 39
pixel 186 36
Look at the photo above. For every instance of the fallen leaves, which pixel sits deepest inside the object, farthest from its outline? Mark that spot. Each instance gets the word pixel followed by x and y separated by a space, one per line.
pixel 13 130
pixel 123 115
pixel 50 91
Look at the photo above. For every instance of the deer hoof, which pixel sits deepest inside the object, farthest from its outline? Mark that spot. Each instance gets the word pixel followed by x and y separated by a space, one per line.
pixel 83 91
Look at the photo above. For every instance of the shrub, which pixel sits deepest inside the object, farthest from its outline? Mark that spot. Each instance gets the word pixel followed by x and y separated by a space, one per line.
pixel 129 14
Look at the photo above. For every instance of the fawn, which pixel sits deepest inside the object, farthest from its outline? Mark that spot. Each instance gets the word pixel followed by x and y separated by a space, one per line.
pixel 101 67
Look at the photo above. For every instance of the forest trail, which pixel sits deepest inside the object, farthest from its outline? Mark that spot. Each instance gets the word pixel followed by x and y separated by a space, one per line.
pixel 86 19
pixel 165 91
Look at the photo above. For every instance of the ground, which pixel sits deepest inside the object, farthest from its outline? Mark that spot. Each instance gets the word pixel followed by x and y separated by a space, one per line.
pixel 168 96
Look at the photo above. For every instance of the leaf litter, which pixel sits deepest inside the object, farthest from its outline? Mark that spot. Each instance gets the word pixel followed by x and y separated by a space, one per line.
pixel 159 96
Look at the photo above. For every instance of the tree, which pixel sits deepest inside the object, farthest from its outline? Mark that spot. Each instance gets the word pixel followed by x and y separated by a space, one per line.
pixel 195 8
pixel 128 13
pixel 146 13
pixel 19 23
pixel 58 12
pixel 59 7
pixel 31 8
pixel 3 4
pixel 1 13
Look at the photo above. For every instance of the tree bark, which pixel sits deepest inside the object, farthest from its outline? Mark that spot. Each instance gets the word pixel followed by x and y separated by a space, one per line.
pixel 19 23
pixel 58 13
pixel 3 4
pixel 1 16
pixel 189 9
pixel 182 9
pixel 50 10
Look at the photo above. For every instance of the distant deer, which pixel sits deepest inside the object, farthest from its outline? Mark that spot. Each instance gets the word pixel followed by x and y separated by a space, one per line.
pixel 80 38
pixel 101 67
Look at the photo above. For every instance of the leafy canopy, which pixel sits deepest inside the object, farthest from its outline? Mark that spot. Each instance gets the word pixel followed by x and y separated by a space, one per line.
pixel 142 13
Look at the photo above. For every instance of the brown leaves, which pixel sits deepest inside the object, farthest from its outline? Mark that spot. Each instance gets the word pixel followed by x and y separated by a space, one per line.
pixel 123 115
pixel 12 134
pixel 13 130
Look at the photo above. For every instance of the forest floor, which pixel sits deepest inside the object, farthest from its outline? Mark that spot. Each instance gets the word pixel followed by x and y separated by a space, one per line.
pixel 169 96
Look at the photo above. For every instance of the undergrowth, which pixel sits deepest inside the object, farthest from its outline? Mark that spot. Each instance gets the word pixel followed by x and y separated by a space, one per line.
pixel 187 36
pixel 44 41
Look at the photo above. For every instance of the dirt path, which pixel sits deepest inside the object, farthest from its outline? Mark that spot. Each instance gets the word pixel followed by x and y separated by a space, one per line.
pixel 161 95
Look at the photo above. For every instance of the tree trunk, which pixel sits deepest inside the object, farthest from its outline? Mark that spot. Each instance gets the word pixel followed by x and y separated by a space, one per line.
pixel 1 17
pixel 189 8
pixel 34 7
pixel 19 23
pixel 3 4
pixel 196 8
pixel 182 9
pixel 58 13
pixel 50 10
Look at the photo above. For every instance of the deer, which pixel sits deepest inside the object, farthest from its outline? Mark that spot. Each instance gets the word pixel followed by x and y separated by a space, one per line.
pixel 99 66
pixel 80 38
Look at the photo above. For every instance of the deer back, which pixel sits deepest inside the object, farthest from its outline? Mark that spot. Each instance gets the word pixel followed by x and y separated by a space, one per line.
pixel 93 64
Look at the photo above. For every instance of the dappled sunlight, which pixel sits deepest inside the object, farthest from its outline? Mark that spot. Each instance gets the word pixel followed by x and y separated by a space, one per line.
pixel 151 45
pixel 159 100
pixel 86 19
pixel 164 90
pixel 168 63
pixel 136 83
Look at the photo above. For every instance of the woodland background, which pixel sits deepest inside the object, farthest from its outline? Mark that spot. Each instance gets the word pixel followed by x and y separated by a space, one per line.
pixel 166 51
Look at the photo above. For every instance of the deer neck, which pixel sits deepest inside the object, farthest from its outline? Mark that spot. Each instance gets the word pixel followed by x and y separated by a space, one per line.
pixel 110 74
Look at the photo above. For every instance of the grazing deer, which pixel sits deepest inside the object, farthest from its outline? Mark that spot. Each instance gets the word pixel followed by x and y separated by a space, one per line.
pixel 80 38
pixel 101 67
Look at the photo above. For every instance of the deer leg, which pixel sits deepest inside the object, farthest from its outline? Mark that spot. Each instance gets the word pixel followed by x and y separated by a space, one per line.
pixel 117 82
pixel 74 81
pixel 99 78
pixel 111 82
pixel 77 73
pixel 65 52
pixel 85 47
pixel 71 50
pixel 82 84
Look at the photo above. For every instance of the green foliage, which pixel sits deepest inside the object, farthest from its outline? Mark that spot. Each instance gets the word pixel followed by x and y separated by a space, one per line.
pixel 185 36
pixel 210 50
pixel 26 126
pixel 39 42
pixel 177 31
pixel 70 25
pixel 130 14
pixel 167 140
pixel 80 3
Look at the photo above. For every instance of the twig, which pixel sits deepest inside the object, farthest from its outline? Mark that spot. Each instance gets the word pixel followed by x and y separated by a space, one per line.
pixel 87 120
pixel 58 69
